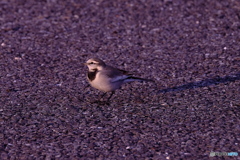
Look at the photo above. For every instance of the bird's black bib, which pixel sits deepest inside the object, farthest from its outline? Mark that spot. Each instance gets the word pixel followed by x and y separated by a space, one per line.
pixel 92 75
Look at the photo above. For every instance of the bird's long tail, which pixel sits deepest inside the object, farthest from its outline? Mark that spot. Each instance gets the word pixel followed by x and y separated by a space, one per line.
pixel 131 79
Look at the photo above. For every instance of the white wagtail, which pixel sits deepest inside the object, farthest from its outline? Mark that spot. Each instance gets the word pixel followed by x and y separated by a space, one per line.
pixel 107 78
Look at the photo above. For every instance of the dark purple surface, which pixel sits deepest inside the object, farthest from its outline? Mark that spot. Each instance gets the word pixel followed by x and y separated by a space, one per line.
pixel 190 48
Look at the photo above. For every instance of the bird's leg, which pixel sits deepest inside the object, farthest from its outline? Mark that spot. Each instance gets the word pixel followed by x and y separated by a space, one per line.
pixel 105 102
pixel 103 95
pixel 88 85
pixel 110 95
pixel 100 100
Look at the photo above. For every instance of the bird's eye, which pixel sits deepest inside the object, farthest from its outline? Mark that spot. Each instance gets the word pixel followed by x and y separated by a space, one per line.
pixel 92 63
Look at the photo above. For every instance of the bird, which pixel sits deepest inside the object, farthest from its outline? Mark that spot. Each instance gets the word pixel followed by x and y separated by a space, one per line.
pixel 107 78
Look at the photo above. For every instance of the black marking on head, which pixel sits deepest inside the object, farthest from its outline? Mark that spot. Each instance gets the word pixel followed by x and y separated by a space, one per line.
pixel 92 75
pixel 93 63
pixel 96 61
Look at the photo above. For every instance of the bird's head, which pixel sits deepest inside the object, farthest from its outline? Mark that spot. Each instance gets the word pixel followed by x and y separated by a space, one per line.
pixel 95 64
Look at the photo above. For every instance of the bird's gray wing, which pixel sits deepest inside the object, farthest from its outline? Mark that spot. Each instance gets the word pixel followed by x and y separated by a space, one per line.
pixel 124 72
pixel 116 74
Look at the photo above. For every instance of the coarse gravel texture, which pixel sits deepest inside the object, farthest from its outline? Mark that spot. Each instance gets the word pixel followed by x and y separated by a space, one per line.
pixel 191 48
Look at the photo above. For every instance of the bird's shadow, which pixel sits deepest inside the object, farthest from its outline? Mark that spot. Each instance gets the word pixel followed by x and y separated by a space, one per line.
pixel 203 83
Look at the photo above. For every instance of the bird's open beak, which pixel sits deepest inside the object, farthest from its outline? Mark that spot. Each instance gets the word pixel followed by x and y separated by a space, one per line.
pixel 85 64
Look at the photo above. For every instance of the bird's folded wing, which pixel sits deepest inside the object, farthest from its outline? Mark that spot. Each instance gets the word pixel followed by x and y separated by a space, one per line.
pixel 116 74
pixel 119 78
pixel 124 72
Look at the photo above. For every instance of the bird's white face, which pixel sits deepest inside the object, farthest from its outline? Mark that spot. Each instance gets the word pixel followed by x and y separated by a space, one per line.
pixel 95 64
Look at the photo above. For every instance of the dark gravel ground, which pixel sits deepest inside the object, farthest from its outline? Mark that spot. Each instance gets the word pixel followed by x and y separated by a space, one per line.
pixel 191 49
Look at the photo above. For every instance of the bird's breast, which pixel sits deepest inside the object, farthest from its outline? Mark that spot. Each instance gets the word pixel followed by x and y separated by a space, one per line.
pixel 104 83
